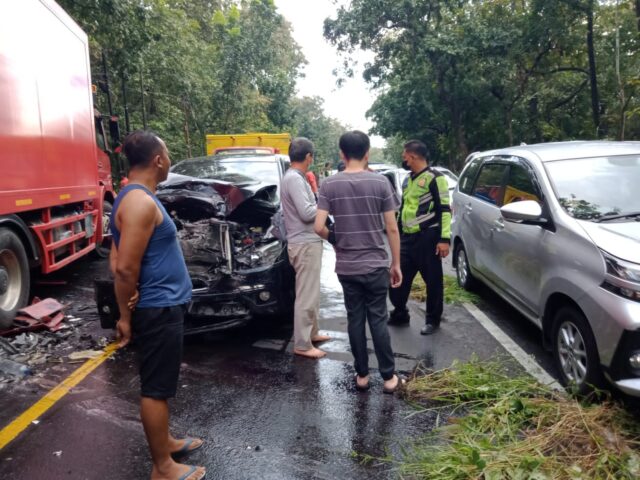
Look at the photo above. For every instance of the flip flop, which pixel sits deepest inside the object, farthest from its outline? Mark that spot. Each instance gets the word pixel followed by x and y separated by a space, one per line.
pixel 390 391
pixel 187 448
pixel 359 387
pixel 192 470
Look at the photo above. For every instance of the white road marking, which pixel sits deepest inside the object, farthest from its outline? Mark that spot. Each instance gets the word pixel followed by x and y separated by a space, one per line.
pixel 522 357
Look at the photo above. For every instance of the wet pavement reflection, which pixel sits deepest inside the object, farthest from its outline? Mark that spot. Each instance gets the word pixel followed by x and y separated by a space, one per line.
pixel 263 412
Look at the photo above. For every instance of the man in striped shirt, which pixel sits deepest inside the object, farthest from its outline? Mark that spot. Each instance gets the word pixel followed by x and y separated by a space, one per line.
pixel 363 205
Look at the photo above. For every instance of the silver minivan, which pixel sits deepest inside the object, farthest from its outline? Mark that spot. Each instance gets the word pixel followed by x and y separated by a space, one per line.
pixel 555 230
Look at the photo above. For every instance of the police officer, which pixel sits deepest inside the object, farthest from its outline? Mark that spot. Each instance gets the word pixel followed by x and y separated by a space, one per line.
pixel 425 233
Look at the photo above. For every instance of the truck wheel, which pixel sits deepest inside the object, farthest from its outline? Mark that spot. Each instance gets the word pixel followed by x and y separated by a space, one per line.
pixel 103 248
pixel 575 352
pixel 14 277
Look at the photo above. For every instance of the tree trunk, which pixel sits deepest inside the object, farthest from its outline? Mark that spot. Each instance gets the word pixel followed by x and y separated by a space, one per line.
pixel 509 118
pixel 595 97
pixel 534 118
pixel 462 150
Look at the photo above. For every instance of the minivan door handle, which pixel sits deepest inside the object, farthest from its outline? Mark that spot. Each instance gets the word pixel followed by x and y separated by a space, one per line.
pixel 498 225
pixel 468 208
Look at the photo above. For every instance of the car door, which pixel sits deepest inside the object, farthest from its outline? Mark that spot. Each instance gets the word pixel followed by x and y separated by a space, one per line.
pixel 517 245
pixel 480 212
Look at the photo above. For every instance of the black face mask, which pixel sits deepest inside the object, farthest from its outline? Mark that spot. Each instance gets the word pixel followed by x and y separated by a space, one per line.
pixel 405 165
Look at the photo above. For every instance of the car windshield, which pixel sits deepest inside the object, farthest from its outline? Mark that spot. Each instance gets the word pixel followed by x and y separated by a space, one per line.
pixel 597 188
pixel 233 170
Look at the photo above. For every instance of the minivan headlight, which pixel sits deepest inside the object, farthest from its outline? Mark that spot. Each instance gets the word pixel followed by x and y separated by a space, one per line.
pixel 622 277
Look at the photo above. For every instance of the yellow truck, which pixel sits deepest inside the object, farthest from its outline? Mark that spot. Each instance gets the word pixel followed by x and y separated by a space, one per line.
pixel 269 142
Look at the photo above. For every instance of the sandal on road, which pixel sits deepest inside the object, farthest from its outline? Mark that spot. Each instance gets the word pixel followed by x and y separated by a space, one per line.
pixel 401 382
pixel 190 445
pixel 192 470
pixel 360 387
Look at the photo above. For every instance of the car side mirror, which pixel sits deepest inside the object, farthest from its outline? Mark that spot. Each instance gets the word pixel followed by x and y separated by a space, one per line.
pixel 527 211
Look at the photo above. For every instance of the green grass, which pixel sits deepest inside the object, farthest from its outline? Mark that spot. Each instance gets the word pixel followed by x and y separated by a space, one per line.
pixel 506 427
pixel 453 293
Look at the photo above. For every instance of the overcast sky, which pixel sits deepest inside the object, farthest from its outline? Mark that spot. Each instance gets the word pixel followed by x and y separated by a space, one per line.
pixel 348 103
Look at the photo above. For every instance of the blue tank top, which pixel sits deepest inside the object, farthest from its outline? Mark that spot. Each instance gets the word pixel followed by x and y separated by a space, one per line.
pixel 164 280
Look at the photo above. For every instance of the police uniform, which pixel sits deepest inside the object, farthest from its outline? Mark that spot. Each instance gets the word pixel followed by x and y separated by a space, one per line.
pixel 424 221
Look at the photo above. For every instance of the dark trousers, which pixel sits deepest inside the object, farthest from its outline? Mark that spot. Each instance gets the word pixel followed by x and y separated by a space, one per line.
pixel 365 298
pixel 418 254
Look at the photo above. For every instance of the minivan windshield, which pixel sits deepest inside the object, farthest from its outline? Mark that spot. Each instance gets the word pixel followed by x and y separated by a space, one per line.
pixel 229 169
pixel 597 188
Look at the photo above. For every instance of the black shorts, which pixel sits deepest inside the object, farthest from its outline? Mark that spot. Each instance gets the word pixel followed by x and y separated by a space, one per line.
pixel 158 335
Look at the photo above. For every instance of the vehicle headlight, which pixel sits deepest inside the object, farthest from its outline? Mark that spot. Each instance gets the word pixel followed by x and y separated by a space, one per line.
pixel 269 253
pixel 634 360
pixel 622 277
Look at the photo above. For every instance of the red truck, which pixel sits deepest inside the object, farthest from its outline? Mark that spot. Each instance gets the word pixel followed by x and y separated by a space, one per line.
pixel 55 173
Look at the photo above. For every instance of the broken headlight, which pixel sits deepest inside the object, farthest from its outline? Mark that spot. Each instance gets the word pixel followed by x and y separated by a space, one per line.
pixel 262 256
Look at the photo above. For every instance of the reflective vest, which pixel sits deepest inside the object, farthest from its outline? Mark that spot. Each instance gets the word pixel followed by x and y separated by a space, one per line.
pixel 425 203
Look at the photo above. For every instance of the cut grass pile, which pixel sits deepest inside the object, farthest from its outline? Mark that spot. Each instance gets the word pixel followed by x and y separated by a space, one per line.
pixel 515 428
pixel 453 293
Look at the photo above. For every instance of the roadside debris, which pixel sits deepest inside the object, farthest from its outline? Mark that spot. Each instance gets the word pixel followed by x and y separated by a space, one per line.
pixel 40 315
pixel 45 334
pixel 14 368
pixel 85 354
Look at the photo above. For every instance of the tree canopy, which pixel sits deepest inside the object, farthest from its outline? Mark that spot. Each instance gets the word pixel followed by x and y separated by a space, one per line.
pixel 185 68
pixel 472 75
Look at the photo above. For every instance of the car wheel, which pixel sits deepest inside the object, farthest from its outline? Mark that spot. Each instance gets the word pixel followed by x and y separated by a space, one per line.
pixel 575 352
pixel 463 271
pixel 14 277
pixel 103 248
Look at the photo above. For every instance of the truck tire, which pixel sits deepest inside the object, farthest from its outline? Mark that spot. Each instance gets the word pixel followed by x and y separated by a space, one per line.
pixel 14 277
pixel 103 248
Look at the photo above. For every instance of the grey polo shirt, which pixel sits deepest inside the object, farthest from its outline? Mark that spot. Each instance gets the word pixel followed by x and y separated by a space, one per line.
pixel 299 207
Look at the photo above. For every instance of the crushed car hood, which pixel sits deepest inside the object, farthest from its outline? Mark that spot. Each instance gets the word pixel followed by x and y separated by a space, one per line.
pixel 196 198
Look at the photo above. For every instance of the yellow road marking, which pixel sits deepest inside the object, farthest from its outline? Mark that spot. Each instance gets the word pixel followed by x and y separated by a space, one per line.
pixel 15 428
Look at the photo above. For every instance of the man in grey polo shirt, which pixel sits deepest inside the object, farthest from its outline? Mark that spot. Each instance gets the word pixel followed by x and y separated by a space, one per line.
pixel 304 248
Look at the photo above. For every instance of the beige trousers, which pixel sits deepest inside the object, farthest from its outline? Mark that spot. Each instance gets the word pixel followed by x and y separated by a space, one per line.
pixel 306 259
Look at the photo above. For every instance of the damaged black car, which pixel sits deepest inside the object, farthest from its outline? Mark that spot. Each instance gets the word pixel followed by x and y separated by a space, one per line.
pixel 222 206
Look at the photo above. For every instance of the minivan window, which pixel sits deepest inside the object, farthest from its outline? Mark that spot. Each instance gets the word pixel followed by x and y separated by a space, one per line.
pixel 520 185
pixel 489 184
pixel 594 188
pixel 469 175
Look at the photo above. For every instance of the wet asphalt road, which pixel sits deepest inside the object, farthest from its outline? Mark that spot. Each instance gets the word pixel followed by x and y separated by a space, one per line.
pixel 263 413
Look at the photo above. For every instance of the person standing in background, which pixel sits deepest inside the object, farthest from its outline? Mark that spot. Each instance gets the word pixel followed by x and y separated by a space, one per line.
pixel 304 248
pixel 363 206
pixel 425 220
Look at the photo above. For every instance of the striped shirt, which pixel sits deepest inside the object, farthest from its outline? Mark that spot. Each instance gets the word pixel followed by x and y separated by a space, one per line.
pixel 357 202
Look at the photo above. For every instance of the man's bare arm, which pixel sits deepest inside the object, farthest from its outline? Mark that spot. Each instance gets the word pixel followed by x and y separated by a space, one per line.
pixel 320 226
pixel 393 235
pixel 137 215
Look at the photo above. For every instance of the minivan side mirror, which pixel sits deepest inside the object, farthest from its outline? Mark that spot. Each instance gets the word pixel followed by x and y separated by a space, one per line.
pixel 528 211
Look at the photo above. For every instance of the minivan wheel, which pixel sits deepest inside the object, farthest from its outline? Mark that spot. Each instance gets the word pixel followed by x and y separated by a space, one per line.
pixel 575 352
pixel 463 271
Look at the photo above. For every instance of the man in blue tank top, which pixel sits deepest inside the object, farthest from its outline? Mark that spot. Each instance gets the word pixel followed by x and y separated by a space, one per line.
pixel 146 258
